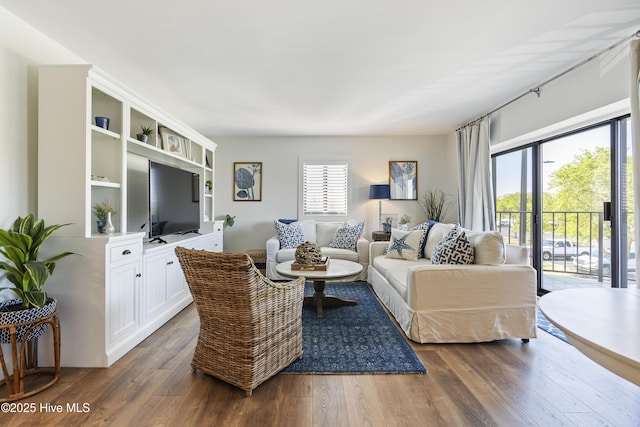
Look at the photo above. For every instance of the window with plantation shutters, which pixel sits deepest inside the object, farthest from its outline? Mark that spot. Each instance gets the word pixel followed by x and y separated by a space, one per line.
pixel 324 188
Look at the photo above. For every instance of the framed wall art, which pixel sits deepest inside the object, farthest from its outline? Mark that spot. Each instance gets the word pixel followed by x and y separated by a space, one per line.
pixel 403 179
pixel 172 142
pixel 247 181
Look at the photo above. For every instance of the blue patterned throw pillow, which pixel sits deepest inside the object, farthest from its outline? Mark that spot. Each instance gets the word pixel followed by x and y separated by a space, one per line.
pixel 289 235
pixel 455 248
pixel 347 236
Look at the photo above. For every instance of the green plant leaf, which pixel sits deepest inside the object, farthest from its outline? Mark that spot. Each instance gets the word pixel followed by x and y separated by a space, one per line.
pixel 34 299
pixel 15 255
pixel 19 240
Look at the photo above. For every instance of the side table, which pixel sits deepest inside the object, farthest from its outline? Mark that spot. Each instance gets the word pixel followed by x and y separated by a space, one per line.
pixel 380 236
pixel 24 358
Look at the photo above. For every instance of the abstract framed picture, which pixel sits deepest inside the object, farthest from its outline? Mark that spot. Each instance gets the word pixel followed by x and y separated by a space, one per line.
pixel 403 179
pixel 247 181
pixel 172 142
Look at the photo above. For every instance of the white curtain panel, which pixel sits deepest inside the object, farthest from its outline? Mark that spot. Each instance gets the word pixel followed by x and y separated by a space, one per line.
pixel 475 195
pixel 635 135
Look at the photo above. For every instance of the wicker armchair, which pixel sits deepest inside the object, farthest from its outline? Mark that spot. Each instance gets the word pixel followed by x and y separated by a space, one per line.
pixel 250 327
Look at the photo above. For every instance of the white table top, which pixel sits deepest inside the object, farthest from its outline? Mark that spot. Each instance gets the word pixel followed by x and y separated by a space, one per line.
pixel 336 269
pixel 601 323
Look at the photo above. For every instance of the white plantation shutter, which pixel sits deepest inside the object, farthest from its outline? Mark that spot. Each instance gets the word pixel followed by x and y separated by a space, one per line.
pixel 325 188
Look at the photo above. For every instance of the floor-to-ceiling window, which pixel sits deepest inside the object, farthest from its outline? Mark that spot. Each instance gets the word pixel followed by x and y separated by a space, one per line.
pixel 568 199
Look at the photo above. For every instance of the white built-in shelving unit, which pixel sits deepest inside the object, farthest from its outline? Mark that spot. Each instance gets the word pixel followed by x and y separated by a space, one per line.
pixel 119 288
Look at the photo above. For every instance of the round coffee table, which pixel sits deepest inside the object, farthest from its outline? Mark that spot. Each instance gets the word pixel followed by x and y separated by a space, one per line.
pixel 337 268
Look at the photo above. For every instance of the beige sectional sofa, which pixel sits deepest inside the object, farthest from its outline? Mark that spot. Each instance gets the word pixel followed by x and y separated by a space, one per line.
pixel 322 233
pixel 494 298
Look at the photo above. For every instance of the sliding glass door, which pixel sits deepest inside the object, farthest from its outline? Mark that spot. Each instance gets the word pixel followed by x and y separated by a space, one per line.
pixel 569 200
pixel 576 236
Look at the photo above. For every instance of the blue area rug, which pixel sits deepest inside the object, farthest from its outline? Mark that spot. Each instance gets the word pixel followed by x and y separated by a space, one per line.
pixel 359 339
pixel 545 325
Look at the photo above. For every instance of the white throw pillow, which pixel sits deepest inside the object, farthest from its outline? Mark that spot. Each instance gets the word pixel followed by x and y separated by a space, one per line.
pixel 325 232
pixel 489 247
pixel 435 236
pixel 404 244
pixel 308 227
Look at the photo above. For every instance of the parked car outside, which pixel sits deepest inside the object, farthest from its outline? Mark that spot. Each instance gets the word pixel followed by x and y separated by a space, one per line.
pixel 590 263
pixel 563 249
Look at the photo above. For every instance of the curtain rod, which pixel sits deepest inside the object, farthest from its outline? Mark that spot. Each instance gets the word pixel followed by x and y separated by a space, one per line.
pixel 536 89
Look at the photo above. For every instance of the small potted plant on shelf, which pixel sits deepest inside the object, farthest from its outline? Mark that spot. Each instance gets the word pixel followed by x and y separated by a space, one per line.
pixel 208 185
pixel 145 131
pixel 103 212
pixel 19 245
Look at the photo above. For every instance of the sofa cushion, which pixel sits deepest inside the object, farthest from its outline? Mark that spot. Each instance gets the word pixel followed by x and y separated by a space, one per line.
pixel 289 235
pixel 308 227
pixel 346 237
pixel 488 247
pixel 436 233
pixel 284 255
pixel 405 244
pixel 325 232
pixel 455 248
pixel 337 253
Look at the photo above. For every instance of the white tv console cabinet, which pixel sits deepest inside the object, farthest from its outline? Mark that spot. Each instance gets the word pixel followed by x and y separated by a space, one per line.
pixel 119 288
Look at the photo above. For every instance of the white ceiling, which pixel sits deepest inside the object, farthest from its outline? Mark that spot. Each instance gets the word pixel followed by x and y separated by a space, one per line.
pixel 332 67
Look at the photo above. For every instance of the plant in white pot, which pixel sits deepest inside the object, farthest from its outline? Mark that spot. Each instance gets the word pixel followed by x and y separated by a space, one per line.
pixel 19 245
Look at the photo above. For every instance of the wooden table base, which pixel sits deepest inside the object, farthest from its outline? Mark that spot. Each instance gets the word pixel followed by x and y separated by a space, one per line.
pixel 319 300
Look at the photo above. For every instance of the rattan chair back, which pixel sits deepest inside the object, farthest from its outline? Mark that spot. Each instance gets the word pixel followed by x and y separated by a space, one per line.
pixel 250 327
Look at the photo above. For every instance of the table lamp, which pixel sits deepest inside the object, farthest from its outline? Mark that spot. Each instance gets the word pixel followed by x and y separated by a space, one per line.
pixel 379 191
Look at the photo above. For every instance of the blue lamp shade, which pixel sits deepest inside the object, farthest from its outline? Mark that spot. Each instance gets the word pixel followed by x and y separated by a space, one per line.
pixel 379 191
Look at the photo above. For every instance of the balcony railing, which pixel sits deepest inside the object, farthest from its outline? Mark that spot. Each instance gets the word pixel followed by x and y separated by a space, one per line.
pixel 584 231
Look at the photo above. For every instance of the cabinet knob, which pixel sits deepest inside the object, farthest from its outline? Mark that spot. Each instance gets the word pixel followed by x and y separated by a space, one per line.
pixel 138 275
pixel 170 263
pixel 126 252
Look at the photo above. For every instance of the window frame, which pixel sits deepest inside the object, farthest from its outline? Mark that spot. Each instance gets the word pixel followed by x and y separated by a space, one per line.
pixel 302 213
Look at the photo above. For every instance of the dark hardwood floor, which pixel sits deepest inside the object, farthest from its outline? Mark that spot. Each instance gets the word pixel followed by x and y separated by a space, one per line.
pixel 505 383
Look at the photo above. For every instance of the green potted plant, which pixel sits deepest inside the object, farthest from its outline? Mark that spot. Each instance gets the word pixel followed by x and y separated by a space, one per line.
pixel 229 220
pixel 144 134
pixel 208 185
pixel 434 204
pixel 19 245
pixel 103 212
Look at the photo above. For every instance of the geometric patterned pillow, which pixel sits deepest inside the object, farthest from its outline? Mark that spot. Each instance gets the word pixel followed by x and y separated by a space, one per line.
pixel 347 236
pixel 289 235
pixel 455 248
pixel 404 244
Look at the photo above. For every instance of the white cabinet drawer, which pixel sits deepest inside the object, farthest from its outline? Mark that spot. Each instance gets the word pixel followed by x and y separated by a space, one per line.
pixel 125 252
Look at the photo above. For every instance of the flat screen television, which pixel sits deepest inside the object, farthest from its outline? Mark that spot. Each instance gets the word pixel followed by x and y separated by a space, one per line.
pixel 174 200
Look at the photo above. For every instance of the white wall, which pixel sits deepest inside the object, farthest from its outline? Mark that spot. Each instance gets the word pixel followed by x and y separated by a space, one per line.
pixel 22 49
pixel 574 100
pixel 368 164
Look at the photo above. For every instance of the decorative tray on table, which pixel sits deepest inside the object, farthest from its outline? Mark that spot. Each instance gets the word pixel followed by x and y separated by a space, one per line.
pixel 322 266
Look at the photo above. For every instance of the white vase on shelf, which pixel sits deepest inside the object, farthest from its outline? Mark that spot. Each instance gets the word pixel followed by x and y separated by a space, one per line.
pixel 109 228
